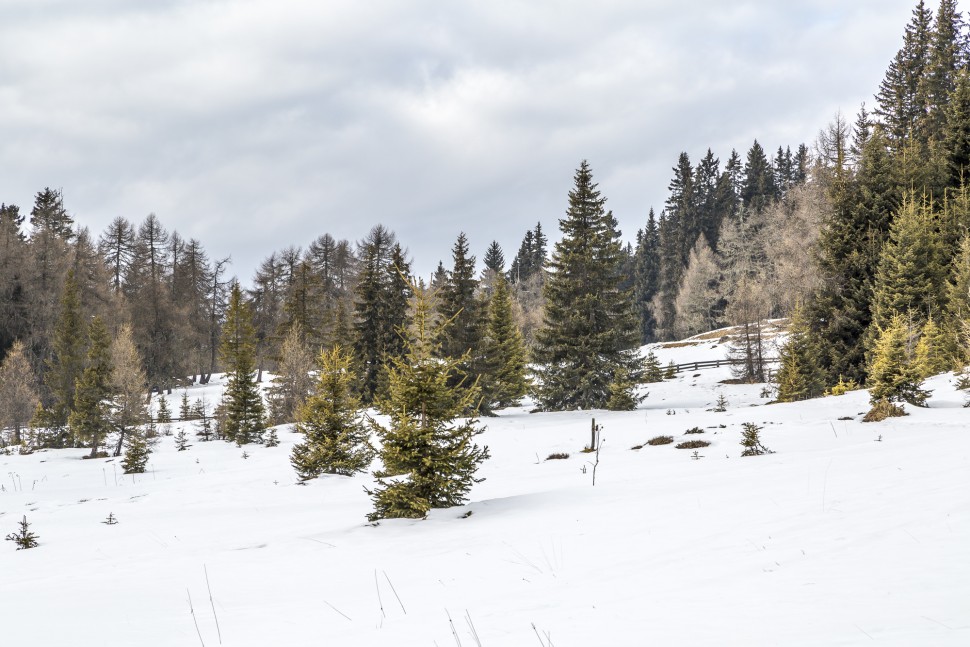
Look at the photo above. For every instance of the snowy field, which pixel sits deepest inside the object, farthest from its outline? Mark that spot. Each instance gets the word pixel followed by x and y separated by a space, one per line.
pixel 850 534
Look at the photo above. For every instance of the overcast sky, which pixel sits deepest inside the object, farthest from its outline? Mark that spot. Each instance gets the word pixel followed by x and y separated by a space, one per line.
pixel 257 124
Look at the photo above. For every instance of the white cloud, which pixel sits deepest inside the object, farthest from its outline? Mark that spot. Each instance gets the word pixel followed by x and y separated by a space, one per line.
pixel 253 125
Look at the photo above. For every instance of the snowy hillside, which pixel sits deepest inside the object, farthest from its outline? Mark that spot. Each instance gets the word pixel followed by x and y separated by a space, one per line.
pixel 850 534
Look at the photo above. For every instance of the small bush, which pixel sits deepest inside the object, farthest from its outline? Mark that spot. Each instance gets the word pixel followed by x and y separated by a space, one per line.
pixel 636 447
pixel 883 409
pixel 557 456
pixel 661 440
pixel 694 430
pixel 751 441
pixel 842 387
pixel 693 444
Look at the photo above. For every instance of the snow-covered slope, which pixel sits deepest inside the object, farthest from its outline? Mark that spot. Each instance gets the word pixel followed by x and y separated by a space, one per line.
pixel 849 534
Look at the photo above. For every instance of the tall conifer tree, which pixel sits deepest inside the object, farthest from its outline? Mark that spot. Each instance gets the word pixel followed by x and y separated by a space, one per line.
pixel 244 414
pixel 90 417
pixel 590 330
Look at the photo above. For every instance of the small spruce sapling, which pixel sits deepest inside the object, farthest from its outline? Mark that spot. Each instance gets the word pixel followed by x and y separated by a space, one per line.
pixel 751 441
pixel 164 415
pixel 272 438
pixel 721 405
pixel 23 538
pixel 138 447
pixel 185 410
pixel 671 371
pixel 182 441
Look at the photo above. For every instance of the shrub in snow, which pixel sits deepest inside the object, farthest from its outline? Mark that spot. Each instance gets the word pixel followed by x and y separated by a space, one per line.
pixel 660 440
pixel 883 409
pixel 692 444
pixel 334 429
pixel 23 538
pixel 751 441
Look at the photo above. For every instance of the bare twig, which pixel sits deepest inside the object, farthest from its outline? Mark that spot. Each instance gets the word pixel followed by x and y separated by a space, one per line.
pixel 471 627
pixel 212 602
pixel 194 620
pixel 337 610
pixel 454 632
pixel 379 601
pixel 395 593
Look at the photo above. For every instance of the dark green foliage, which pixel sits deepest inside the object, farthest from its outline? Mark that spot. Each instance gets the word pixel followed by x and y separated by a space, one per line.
pixel 164 414
pixel 138 450
pixel 646 282
pixel 244 415
pixel 902 101
pixel 956 142
pixel 590 329
pixel 457 304
pixel 911 273
pixel 429 456
pixel 504 381
pixel 751 440
pixel 67 363
pixel 336 435
pixel 530 258
pixel 894 376
pixel 850 243
pixel 759 188
pixel 23 538
pixel 381 308
pixel 799 377
pixel 185 409
pixel 494 259
pixel 90 419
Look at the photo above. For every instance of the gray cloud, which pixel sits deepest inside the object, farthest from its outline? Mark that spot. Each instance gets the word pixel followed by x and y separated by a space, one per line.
pixel 253 125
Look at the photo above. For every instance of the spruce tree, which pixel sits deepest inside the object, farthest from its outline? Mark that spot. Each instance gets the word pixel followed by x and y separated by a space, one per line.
pixel 462 338
pixel 590 330
pixel 244 417
pixel 23 538
pixel 647 277
pixel 850 243
pixel 334 428
pixel 67 363
pixel 90 419
pixel 138 449
pixel 799 377
pixel 494 259
pixel 911 272
pixel 933 352
pixel 504 381
pixel 428 454
pixel 901 101
pixel 759 188
pixel 958 302
pixel 380 309
pixel 894 376
pixel 956 132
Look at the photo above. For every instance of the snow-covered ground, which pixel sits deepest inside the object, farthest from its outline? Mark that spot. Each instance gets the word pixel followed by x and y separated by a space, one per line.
pixel 850 534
